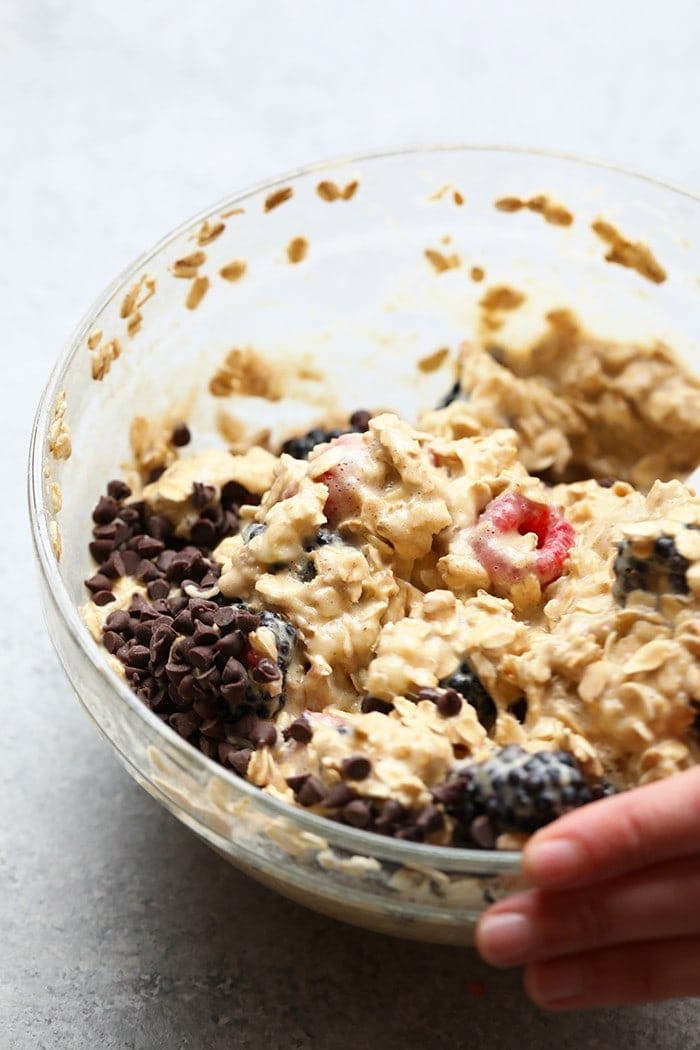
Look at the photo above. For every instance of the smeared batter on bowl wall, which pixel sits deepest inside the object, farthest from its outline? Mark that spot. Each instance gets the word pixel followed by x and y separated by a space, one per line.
pixel 449 633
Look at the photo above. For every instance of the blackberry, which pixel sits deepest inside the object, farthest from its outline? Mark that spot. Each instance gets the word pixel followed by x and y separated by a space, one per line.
pixel 285 636
pixel 305 566
pixel 661 572
pixel 255 528
pixel 300 446
pixel 466 681
pixel 517 791
pixel 455 393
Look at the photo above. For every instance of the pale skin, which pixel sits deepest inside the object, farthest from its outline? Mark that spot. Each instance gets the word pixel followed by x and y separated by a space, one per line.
pixel 613 917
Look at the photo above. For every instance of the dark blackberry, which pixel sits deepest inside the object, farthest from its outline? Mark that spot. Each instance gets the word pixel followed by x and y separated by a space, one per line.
pixel 661 572
pixel 455 393
pixel 299 447
pixel 466 681
pixel 322 538
pixel 305 566
pixel 517 791
pixel 285 636
pixel 253 529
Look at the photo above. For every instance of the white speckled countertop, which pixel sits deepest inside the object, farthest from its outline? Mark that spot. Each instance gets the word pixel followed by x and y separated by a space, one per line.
pixel 117 928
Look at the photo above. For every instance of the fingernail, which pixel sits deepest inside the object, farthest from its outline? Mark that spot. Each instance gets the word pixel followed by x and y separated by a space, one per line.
pixel 552 862
pixel 505 939
pixel 557 982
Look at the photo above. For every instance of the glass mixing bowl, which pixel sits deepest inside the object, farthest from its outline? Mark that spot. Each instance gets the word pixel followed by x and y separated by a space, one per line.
pixel 347 275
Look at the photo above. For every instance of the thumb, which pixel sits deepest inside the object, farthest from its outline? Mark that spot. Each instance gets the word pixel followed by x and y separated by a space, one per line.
pixel 619 834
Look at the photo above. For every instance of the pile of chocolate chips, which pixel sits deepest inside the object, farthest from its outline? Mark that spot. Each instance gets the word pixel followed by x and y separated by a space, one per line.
pixel 128 541
pixel 188 658
pixel 191 662
pixel 344 802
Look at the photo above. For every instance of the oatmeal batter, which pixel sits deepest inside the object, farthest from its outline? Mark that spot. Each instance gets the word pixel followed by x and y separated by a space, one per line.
pixel 449 633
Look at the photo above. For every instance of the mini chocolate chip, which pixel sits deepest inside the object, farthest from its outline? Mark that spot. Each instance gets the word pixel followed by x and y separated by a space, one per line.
pixel 201 656
pixel 266 671
pixel 338 796
pixel 155 474
pixel 203 610
pixel 449 703
pixel 311 792
pixel 430 819
pixel 177 671
pixel 132 513
pixel 233 692
pixel 606 483
pixel 204 635
pixel 181 435
pixel 375 703
pixel 121 531
pixel 481 830
pixel 206 709
pixel 103 598
pixel 231 644
pixel 214 728
pixel 263 734
pixel 147 572
pixel 392 812
pixel 149 546
pixel 183 622
pixel 356 767
pixel 106 510
pixel 118 489
pixel 297 782
pixel 239 759
pixel 128 560
pixel 98 582
pixel 409 833
pixel 112 641
pixel 185 723
pixel 139 656
pixel 208 747
pixel 247 621
pixel 233 495
pixel 101 549
pixel 203 533
pixel 119 620
pixel 161 640
pixel 360 419
pixel 105 532
pixel 202 494
pixel 159 527
pixel 177 603
pixel 224 616
pixel 299 730
pixel 357 813
pixel 233 672
pixel 186 688
pixel 158 589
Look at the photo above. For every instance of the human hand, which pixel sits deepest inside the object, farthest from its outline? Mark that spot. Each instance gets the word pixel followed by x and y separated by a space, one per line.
pixel 614 914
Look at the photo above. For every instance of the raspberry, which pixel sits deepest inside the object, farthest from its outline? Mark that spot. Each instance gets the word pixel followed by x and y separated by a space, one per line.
pixel 506 560
pixel 344 462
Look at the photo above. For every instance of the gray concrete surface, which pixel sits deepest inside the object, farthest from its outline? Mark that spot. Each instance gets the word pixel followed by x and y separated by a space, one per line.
pixel 117 928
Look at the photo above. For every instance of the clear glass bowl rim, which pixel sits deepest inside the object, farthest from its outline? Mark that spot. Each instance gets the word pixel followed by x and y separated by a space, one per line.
pixel 352 839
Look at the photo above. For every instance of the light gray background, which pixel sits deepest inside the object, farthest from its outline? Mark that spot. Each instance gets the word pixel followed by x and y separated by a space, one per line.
pixel 118 120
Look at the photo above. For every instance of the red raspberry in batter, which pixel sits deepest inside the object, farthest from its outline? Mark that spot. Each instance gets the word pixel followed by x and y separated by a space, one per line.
pixel 507 558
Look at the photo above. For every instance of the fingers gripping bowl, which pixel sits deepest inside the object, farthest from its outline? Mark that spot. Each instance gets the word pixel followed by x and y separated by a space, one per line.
pixel 353 286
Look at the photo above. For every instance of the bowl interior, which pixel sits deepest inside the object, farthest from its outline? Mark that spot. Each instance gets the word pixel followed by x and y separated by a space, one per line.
pixel 346 278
